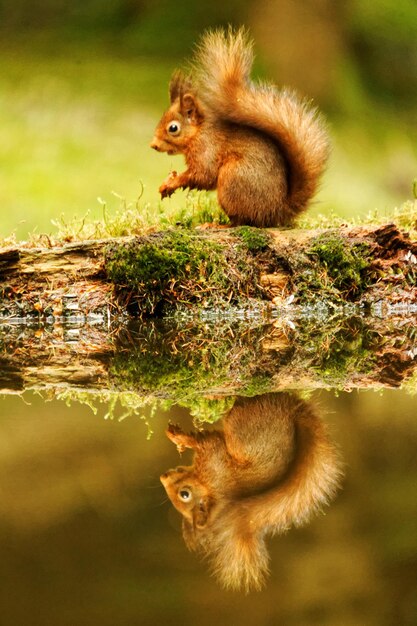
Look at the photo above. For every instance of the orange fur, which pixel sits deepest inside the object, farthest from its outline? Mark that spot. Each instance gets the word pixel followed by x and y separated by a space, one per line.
pixel 264 149
pixel 271 467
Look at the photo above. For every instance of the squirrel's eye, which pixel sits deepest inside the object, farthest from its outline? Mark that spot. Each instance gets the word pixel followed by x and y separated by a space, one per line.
pixel 185 495
pixel 174 128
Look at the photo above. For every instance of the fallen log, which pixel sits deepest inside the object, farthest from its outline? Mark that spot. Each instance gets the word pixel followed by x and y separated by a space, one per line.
pixel 152 274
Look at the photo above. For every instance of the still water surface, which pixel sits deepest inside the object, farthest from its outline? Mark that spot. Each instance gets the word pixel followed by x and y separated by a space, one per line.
pixel 89 537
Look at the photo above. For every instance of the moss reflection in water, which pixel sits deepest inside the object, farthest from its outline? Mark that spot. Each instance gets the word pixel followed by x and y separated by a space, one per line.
pixel 184 361
pixel 202 365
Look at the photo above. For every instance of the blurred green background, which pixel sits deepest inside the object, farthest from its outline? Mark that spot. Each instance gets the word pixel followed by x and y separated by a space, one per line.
pixel 83 84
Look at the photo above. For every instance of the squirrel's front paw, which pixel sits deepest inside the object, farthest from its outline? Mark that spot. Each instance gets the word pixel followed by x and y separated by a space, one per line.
pixel 166 191
pixel 169 186
pixel 181 439
pixel 173 430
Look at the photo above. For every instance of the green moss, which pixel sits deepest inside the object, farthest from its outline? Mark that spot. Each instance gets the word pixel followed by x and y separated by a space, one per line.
pixel 253 239
pixel 210 410
pixel 352 350
pixel 258 384
pixel 183 363
pixel 160 257
pixel 200 365
pixel 199 207
pixel 179 267
pixel 344 263
pixel 336 269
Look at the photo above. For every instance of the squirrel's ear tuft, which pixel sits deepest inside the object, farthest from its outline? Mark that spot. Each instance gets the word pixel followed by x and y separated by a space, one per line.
pixel 190 109
pixel 201 512
pixel 175 84
pixel 179 84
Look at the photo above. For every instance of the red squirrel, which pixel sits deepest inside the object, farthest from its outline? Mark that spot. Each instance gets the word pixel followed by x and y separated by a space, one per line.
pixel 262 148
pixel 272 466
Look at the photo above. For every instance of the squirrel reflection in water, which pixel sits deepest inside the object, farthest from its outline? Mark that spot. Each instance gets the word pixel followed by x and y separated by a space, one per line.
pixel 272 466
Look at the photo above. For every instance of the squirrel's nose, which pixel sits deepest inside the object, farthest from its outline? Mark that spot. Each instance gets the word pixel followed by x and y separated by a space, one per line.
pixel 164 478
pixel 154 145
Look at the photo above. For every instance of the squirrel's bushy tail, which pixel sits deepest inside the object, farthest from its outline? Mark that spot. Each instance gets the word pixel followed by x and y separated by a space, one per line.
pixel 222 67
pixel 310 485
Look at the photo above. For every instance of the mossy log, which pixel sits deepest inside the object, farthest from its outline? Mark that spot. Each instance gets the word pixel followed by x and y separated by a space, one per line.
pixel 257 311
pixel 153 274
